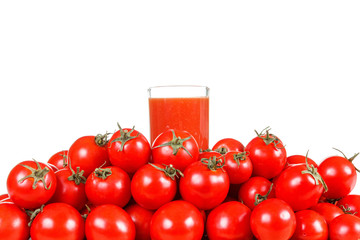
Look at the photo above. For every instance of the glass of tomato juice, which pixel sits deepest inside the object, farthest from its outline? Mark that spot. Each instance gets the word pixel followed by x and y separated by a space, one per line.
pixel 182 107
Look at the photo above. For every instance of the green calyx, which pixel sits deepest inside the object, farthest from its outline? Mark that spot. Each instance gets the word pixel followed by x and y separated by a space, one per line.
pixel 176 143
pixel 103 173
pixel 33 214
pixel 350 159
pixel 240 157
pixel 37 174
pixel 213 163
pixel 125 136
pixel 169 171
pixel 260 198
pixel 77 176
pixel 101 139
pixel 269 138
pixel 314 173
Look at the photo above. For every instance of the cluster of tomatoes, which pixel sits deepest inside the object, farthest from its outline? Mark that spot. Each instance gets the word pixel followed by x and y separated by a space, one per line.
pixel 118 186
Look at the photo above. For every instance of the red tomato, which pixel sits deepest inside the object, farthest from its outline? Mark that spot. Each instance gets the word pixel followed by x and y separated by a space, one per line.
pixel 209 154
pixel 141 218
pixel 153 185
pixel 350 204
pixel 70 188
pixel 175 147
pixel 31 184
pixel 88 153
pixel 57 221
pixel 267 154
pixel 254 188
pixel 228 145
pixel 310 225
pixel 230 220
pixel 339 175
pixel 107 222
pixel 205 184
pixel 300 159
pixel 328 211
pixel 4 198
pixel 177 220
pixel 13 223
pixel 109 185
pixel 129 149
pixel 238 166
pixel 59 159
pixel 300 186
pixel 345 226
pixel 273 219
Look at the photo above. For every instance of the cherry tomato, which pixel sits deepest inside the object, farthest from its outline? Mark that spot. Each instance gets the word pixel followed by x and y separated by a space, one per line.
pixel 31 184
pixel 310 225
pixel 230 220
pixel 59 159
pixel 267 154
pixel 339 175
pixel 88 153
pixel 253 190
pixel 345 226
pixel 273 219
pixel 209 154
pixel 205 184
pixel 153 185
pixel 176 147
pixel 350 204
pixel 13 223
pixel 299 159
pixel 107 222
pixel 109 185
pixel 177 220
pixel 238 166
pixel 228 145
pixel 327 210
pixel 141 218
pixel 57 221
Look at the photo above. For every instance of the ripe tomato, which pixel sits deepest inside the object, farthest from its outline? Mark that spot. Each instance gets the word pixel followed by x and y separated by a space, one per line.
pixel 13 223
pixel 107 222
pixel 345 226
pixel 254 188
pixel 350 204
pixel 109 185
pixel 70 188
pixel 339 175
pixel 273 219
pixel 299 159
pixel 88 153
pixel 209 154
pixel 141 218
pixel 153 185
pixel 267 154
pixel 57 221
pixel 176 147
pixel 310 225
pixel 59 159
pixel 129 149
pixel 327 210
pixel 228 145
pixel 230 220
pixel 177 220
pixel 300 186
pixel 238 166
pixel 31 184
pixel 205 184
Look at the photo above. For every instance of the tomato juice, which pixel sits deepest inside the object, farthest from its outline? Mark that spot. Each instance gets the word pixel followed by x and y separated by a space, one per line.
pixel 189 113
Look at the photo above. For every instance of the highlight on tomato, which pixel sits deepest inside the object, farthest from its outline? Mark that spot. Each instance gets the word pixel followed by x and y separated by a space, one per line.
pixel 228 145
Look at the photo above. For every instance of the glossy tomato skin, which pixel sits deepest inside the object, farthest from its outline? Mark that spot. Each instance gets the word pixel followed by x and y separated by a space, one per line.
pixel 273 219
pixel 141 218
pixel 151 188
pixel 230 220
pixel 107 222
pixel 327 210
pixel 87 154
pixel 228 145
pixel 203 187
pixel 310 225
pixel 339 175
pixel 21 190
pixel 129 154
pixel 345 226
pixel 253 186
pixel 238 168
pixel 164 154
pixel 350 203
pixel 177 220
pixel 59 159
pixel 13 223
pixel 299 159
pixel 57 221
pixel 113 189
pixel 210 154
pixel 298 189
pixel 268 160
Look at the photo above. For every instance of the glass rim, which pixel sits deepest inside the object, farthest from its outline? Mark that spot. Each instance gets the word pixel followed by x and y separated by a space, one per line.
pixel 178 85
pixel 178 91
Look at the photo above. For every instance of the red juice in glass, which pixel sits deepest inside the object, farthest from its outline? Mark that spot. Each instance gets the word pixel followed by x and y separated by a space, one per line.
pixel 180 107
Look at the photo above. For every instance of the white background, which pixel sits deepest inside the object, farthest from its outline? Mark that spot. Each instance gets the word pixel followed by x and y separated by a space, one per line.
pixel 75 68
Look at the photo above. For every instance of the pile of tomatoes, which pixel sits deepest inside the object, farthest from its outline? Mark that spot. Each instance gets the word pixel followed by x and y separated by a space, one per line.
pixel 118 186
